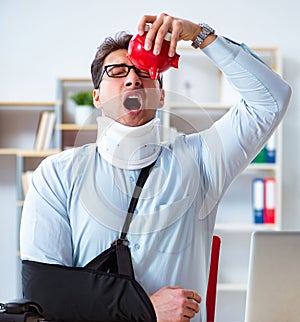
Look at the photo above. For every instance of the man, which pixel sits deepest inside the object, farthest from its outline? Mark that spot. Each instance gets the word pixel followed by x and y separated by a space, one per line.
pixel 73 211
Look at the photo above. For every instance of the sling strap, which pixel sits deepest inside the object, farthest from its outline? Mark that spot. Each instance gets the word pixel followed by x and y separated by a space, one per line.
pixel 135 197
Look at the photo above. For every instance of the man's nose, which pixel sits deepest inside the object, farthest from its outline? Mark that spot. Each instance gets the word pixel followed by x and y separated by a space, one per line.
pixel 133 79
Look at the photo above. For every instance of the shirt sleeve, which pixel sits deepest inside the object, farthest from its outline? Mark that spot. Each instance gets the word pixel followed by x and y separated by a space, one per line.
pixel 244 130
pixel 46 206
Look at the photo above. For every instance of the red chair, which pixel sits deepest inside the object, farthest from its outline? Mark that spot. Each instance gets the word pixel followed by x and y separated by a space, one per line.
pixel 212 279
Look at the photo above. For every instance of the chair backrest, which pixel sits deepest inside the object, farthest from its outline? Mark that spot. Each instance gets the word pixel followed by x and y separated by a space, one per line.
pixel 212 279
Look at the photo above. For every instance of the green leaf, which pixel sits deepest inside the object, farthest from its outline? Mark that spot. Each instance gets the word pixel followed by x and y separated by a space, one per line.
pixel 83 98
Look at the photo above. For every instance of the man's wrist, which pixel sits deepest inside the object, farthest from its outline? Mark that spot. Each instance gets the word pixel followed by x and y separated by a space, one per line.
pixel 204 37
pixel 208 40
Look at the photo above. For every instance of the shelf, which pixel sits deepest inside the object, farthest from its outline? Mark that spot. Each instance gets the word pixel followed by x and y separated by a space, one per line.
pixel 37 153
pixel 76 127
pixel 12 106
pixel 232 287
pixel 28 153
pixel 75 80
pixel 246 228
pixel 263 166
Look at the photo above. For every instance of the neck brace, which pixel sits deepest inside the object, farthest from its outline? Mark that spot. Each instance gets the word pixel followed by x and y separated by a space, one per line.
pixel 128 147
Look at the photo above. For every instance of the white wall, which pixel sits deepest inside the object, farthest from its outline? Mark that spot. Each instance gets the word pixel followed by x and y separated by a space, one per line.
pixel 41 41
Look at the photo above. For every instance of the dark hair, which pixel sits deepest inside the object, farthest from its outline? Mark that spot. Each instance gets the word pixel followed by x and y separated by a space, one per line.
pixel 110 44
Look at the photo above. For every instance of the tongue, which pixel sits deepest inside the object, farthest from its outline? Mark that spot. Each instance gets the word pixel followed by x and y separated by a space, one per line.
pixel 132 103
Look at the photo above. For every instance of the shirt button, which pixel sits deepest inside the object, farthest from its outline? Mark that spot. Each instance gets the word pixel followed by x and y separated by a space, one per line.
pixel 136 246
pixel 136 211
pixel 131 178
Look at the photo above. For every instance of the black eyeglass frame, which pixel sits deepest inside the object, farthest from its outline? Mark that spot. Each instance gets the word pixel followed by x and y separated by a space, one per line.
pixel 139 72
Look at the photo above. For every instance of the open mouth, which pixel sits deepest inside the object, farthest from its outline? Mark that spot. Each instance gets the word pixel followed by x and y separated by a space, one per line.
pixel 133 102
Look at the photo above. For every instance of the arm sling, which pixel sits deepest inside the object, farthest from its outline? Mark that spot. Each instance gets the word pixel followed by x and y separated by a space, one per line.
pixel 105 290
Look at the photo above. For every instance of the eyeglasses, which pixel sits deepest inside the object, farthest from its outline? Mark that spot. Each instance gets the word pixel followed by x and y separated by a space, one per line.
pixel 122 70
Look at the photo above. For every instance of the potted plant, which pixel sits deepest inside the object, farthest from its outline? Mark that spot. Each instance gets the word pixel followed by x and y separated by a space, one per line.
pixel 84 107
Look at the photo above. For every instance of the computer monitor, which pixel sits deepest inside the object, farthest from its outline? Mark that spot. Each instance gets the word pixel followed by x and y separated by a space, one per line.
pixel 274 277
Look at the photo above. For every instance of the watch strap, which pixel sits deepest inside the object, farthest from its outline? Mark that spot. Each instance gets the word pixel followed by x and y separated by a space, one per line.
pixel 206 30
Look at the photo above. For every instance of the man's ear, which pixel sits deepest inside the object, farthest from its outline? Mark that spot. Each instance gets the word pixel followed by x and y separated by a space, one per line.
pixel 162 98
pixel 96 98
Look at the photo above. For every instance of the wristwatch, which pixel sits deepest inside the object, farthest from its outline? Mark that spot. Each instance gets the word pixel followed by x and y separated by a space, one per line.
pixel 205 31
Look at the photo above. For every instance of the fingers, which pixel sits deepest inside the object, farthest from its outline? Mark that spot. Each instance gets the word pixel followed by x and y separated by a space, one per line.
pixel 173 303
pixel 192 306
pixel 160 26
pixel 192 303
pixel 159 30
pixel 143 21
pixel 191 309
pixel 189 314
pixel 194 295
pixel 175 36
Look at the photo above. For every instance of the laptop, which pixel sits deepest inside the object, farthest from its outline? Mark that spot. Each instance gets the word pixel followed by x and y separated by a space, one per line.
pixel 274 277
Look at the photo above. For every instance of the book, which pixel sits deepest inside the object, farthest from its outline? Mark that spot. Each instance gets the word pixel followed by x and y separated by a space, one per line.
pixel 261 156
pixel 269 200
pixel 41 131
pixel 263 200
pixel 258 200
pixel 45 130
pixel 268 153
pixel 270 150
pixel 49 130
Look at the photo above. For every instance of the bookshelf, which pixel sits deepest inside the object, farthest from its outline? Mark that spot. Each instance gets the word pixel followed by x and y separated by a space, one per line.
pixel 69 133
pixel 19 127
pixel 20 123
pixel 188 110
pixel 20 140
